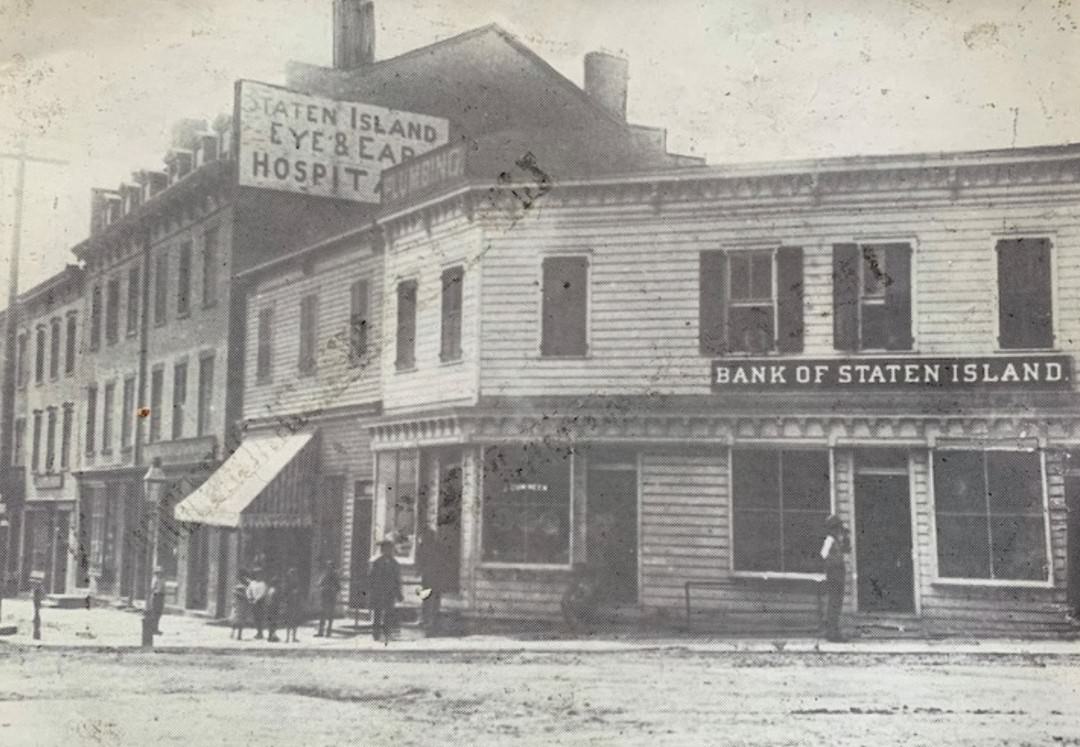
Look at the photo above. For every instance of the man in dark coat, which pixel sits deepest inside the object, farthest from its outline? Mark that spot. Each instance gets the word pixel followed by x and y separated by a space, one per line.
pixel 329 588
pixel 385 583
pixel 837 543
pixel 431 563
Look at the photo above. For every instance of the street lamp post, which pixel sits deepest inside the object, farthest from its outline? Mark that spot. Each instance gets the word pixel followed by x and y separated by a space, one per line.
pixel 154 483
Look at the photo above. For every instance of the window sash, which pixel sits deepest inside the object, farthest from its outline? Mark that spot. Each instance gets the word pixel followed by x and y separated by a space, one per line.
pixel 183 280
pixel 54 350
pixel 50 440
pixel 406 324
pixel 206 394
pixel 402 509
pixel 72 327
pixel 112 311
pixel 95 317
pixel 39 361
pixel 565 306
pixel 179 399
pixel 264 349
pixel 157 386
pixel 210 267
pixel 126 423
pixel 358 321
pixel 133 301
pixel 450 343
pixel 65 437
pixel 308 333
pixel 161 287
pixel 107 418
pixel 91 419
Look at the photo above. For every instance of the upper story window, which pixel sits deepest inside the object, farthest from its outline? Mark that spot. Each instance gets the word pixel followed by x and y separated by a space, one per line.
pixel 751 301
pixel 108 409
pixel 309 332
pixel 54 349
pixel 358 321
pixel 179 399
pixel 450 341
pixel 35 446
pixel 780 500
pixel 161 287
pixel 157 389
pixel 91 419
pixel 18 446
pixel 264 350
pixel 565 313
pixel 183 280
pixel 39 360
pixel 133 303
pixel 50 440
pixel 95 318
pixel 65 435
pixel 406 324
pixel 21 368
pixel 210 267
pixel 127 413
pixel 71 342
pixel 206 394
pixel 112 311
pixel 989 515
pixel 872 297
pixel 1025 294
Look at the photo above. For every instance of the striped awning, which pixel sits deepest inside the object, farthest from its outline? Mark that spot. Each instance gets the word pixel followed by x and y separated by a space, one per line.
pixel 266 482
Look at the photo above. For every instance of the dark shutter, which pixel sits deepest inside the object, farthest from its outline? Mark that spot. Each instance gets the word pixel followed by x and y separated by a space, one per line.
pixel 406 324
pixel 1025 317
pixel 712 303
pixel 898 296
pixel 789 302
pixel 845 296
pixel 565 306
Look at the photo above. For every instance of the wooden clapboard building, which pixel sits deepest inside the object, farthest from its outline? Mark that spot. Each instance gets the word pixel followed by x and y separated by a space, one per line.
pixel 678 376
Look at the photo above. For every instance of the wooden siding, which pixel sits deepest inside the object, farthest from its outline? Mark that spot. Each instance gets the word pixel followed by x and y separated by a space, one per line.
pixel 423 257
pixel 644 284
pixel 335 381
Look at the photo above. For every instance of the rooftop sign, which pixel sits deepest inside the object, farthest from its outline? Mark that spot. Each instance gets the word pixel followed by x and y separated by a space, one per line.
pixel 1013 372
pixel 293 142
pixel 423 175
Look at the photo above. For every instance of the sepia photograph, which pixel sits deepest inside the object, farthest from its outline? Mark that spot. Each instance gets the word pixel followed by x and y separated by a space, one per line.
pixel 391 372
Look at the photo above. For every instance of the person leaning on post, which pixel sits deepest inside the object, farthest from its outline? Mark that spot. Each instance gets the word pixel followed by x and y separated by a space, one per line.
pixel 837 543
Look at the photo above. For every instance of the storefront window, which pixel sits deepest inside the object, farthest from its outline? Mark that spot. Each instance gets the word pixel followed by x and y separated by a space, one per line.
pixel 781 501
pixel 990 518
pixel 527 505
pixel 398 481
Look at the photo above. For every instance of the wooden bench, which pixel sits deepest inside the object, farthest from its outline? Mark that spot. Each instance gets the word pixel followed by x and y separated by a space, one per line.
pixel 765 583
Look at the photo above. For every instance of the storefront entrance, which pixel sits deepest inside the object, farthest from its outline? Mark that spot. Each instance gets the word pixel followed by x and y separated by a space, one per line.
pixel 1072 540
pixel 883 532
pixel 448 523
pixel 612 520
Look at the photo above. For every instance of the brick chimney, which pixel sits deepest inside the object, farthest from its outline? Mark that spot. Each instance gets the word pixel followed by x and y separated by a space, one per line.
pixel 354 33
pixel 606 79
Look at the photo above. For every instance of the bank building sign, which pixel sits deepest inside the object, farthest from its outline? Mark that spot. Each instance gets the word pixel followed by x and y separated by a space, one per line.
pixel 1034 372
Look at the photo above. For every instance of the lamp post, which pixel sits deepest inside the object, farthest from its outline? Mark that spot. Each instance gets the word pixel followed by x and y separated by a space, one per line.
pixel 154 485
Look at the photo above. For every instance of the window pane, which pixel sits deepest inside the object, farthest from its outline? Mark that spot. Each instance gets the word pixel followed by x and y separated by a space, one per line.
pixel 963 550
pixel 565 306
pixel 959 485
pixel 750 328
pixel 761 275
pixel 1015 483
pixel 803 533
pixel 877 321
pixel 757 541
pixel 1019 544
pixel 806 482
pixel 874 272
pixel 404 509
pixel 740 277
pixel 756 479
pixel 891 459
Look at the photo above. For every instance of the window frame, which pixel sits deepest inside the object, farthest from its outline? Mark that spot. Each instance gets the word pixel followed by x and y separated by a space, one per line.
pixel 127 425
pixel 41 345
pixel 211 243
pixel 90 437
pixel 55 331
pixel 161 287
pixel 22 350
pixel 307 359
pixel 35 445
pixel 51 423
pixel 134 279
pixel 751 302
pixel 108 411
pixel 1051 235
pixel 778 446
pixel 71 324
pixel 185 258
pixel 381 524
pixel 936 578
pixel 587 255
pixel 205 396
pixel 572 508
pixel 451 349
pixel 264 374
pixel 96 321
pixel 400 363
pixel 112 310
pixel 359 332
pixel 67 429
pixel 179 407
pixel 157 400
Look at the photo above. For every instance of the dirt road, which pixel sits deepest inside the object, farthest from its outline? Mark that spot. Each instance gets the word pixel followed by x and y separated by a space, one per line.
pixel 646 697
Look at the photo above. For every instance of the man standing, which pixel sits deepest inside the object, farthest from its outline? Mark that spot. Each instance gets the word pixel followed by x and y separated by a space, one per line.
pixel 385 582
pixel 157 599
pixel 329 588
pixel 429 560
pixel 256 594
pixel 837 543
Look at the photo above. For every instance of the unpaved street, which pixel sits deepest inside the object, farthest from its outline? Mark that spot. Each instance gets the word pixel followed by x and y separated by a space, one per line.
pixel 647 697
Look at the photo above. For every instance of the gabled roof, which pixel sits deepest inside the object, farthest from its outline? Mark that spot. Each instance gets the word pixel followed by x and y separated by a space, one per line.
pixel 486 82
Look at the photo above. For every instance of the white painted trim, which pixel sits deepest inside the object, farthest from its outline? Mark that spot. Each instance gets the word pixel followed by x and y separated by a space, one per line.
pixel 778 576
pixel 494 566
pixel 992 582
pixel 913 513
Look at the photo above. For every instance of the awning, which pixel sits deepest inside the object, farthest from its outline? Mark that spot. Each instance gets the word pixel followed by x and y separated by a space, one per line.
pixel 266 482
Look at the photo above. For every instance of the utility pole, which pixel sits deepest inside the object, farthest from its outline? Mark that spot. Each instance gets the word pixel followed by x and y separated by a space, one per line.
pixel 7 394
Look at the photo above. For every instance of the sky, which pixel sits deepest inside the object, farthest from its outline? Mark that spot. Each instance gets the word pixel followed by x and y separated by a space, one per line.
pixel 98 83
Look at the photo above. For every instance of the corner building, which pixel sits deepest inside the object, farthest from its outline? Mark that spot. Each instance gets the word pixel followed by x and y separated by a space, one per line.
pixel 676 377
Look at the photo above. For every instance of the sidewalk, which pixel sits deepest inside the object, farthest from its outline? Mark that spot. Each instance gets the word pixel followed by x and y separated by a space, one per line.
pixel 107 629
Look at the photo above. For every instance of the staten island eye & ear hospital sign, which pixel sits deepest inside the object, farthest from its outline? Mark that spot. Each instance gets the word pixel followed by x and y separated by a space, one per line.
pixel 290 141
pixel 1014 372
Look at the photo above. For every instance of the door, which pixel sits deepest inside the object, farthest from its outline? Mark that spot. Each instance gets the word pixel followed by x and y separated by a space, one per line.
pixel 60 559
pixel 224 577
pixel 361 544
pixel 611 531
pixel 198 566
pixel 1072 542
pixel 883 532
pixel 448 523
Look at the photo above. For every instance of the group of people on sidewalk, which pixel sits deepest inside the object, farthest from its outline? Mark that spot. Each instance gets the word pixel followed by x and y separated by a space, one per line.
pixel 268 603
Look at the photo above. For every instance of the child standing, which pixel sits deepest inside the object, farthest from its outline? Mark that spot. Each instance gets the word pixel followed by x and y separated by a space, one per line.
pixel 385 581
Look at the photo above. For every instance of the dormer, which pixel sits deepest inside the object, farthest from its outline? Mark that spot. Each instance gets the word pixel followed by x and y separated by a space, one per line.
pixel 206 149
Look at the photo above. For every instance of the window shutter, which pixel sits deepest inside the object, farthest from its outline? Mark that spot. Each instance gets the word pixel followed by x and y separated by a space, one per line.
pixel 898 296
pixel 789 302
pixel 846 296
pixel 1024 294
pixel 712 304
pixel 564 328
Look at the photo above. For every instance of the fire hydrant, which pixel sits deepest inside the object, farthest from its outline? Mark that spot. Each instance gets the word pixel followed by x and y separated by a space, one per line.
pixel 39 595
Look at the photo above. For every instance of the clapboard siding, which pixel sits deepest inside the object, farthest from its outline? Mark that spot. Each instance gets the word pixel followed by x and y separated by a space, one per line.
pixel 336 382
pixel 643 322
pixel 514 593
pixel 422 257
